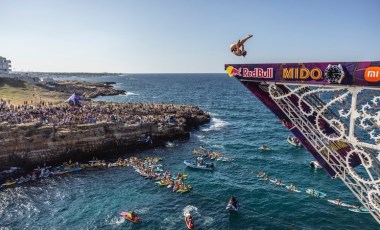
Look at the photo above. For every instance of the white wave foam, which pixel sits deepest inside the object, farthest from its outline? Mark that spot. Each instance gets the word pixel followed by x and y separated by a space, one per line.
pixel 216 124
pixel 130 94
pixel 190 210
pixel 117 221
pixel 200 137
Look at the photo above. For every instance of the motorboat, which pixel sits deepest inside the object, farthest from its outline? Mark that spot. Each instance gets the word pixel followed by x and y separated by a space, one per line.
pixel 294 141
pixel 204 166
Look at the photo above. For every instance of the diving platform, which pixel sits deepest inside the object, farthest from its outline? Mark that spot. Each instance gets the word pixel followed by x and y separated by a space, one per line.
pixel 333 108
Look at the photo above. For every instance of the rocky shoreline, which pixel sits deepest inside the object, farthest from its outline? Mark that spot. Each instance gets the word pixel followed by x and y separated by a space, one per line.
pixel 143 126
pixel 46 133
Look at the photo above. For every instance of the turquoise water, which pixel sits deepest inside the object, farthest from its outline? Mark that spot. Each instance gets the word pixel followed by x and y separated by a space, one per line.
pixel 239 125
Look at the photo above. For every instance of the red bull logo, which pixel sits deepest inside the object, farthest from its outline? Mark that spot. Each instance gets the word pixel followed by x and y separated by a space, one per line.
pixel 258 73
pixel 245 72
pixel 232 71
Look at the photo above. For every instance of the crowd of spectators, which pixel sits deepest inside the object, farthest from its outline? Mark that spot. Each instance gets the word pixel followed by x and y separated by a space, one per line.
pixel 95 112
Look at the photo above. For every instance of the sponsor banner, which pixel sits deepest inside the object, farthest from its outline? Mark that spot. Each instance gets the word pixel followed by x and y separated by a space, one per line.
pixel 337 73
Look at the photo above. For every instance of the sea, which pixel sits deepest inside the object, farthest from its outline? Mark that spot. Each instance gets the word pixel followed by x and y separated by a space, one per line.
pixel 240 124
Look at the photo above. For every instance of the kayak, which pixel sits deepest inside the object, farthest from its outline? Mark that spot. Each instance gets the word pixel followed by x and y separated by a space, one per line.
pixel 160 183
pixel 184 190
pixel 8 184
pixel 274 182
pixel 189 223
pixel 359 210
pixel 127 216
pixel 335 202
pixel 293 190
pixel 206 166
pixel 230 207
pixel 182 177
pixel 315 193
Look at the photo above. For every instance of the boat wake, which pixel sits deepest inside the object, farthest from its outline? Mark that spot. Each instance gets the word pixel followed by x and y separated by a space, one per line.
pixel 190 210
pixel 216 124
pixel 116 221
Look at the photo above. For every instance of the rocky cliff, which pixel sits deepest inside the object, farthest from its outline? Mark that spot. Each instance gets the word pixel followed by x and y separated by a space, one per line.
pixel 31 144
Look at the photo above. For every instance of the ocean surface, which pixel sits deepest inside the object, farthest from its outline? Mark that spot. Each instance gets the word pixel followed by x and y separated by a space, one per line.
pixel 240 124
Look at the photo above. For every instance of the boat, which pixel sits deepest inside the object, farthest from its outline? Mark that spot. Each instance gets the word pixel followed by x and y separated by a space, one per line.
pixel 189 222
pixel 261 174
pixel 315 164
pixel 8 183
pixel 276 182
pixel 128 216
pixel 265 148
pixel 359 210
pixel 315 193
pixel 292 189
pixel 339 203
pixel 162 183
pixel 205 166
pixel 184 189
pixel 294 141
pixel 180 176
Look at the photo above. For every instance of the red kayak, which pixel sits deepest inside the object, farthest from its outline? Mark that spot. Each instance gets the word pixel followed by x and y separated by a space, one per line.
pixel 133 218
pixel 189 222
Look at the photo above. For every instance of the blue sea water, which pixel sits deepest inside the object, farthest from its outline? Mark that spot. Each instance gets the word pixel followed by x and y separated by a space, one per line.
pixel 240 124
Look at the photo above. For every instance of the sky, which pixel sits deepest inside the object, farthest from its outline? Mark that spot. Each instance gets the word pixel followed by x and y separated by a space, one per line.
pixel 183 36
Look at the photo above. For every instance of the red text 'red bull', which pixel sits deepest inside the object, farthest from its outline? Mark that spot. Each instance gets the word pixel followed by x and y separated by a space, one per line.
pixel 258 73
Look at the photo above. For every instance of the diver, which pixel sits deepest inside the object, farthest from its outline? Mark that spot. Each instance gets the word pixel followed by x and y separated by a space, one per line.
pixel 238 47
